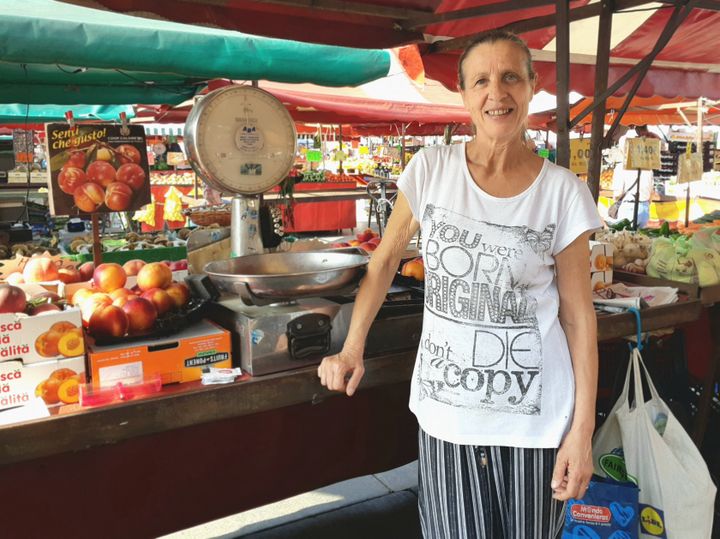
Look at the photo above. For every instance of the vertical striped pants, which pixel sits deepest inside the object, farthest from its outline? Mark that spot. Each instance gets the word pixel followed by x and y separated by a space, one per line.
pixel 476 492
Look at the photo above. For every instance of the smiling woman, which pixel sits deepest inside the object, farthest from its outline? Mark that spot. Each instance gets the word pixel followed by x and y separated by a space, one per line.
pixel 504 382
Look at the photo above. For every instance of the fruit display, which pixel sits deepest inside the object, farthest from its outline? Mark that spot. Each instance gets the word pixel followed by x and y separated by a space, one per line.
pixel 689 259
pixel 132 241
pixel 367 240
pixel 109 310
pixel 97 169
pixel 631 249
pixel 172 178
pixel 39 269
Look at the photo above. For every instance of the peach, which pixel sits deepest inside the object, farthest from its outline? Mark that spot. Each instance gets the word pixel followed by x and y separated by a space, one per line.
pixel 40 269
pixel 376 240
pixel 58 329
pixel 81 295
pixel 88 307
pixel 69 391
pixel 48 391
pixel 126 153
pixel 108 321
pixel 12 299
pixel 367 246
pixel 154 275
pixel 141 314
pixel 49 297
pixel 71 178
pixel 108 277
pixel 62 374
pixel 121 296
pixel 101 172
pixel 354 243
pixel 118 196
pixel 179 293
pixel 46 346
pixel 86 271
pixel 365 235
pixel 89 197
pixel 72 343
pixel 69 275
pixel 161 299
pixel 132 267
pixel 131 174
pixel 16 277
pixel 414 268
pixel 76 160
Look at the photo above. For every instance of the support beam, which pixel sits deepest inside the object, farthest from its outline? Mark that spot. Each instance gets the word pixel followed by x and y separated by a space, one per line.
pixel 536 23
pixel 601 79
pixel 562 83
pixel 712 5
pixel 479 11
pixel 678 16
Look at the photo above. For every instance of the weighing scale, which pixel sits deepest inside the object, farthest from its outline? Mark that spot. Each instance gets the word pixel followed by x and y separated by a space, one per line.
pixel 242 140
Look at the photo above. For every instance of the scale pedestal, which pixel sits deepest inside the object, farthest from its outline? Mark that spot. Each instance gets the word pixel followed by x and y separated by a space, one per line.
pixel 245 237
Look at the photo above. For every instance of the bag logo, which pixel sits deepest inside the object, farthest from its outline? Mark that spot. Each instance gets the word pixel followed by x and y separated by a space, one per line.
pixel 652 521
pixel 591 513
pixel 613 464
pixel 624 514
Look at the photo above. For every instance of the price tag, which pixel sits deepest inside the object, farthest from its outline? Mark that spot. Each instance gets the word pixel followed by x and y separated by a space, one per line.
pixel 642 154
pixel 690 166
pixel 579 155
pixel 314 156
pixel 364 150
pixel 176 159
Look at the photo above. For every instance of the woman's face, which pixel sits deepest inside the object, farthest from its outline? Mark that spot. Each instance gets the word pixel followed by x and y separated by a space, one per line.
pixel 497 90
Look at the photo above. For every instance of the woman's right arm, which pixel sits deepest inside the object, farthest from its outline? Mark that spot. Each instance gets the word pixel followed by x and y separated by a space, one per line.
pixel 334 370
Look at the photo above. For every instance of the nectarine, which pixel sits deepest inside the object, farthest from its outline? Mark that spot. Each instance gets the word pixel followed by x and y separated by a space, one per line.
pixel 12 299
pixel 132 267
pixel 141 314
pixel 71 178
pixel 118 196
pixel 101 172
pixel 131 174
pixel 108 321
pixel 69 275
pixel 108 277
pixel 161 299
pixel 86 271
pixel 179 293
pixel 89 196
pixel 40 269
pixel 154 275
pixel 89 305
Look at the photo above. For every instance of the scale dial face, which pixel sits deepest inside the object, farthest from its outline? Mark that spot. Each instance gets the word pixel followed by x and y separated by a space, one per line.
pixel 241 140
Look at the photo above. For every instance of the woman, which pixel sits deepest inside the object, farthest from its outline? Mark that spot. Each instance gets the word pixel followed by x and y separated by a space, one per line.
pixel 505 379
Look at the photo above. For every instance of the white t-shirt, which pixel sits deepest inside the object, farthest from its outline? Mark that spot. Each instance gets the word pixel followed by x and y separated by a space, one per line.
pixel 493 366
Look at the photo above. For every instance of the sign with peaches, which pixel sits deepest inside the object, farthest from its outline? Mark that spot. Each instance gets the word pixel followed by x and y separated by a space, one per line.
pixel 97 168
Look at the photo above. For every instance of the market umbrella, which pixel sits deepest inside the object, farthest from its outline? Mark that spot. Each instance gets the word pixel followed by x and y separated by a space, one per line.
pixel 53 52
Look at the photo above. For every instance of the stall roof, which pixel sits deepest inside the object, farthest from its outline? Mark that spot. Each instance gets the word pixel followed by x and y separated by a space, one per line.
pixel 687 66
pixel 54 52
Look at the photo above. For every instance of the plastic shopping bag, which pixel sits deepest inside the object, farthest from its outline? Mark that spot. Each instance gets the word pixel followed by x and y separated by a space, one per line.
pixel 676 493
pixel 609 510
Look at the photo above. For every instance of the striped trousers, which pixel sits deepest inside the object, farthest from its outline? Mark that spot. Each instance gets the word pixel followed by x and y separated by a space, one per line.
pixel 477 492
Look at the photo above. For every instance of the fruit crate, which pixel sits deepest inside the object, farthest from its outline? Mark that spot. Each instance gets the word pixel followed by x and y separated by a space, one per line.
pixel 148 255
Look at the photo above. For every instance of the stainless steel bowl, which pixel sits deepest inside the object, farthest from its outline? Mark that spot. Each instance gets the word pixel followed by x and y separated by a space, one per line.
pixel 287 276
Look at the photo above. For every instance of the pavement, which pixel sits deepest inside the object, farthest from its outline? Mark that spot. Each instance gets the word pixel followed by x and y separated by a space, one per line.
pixel 378 506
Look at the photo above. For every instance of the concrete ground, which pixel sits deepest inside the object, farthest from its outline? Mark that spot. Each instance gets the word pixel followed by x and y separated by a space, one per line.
pixel 379 506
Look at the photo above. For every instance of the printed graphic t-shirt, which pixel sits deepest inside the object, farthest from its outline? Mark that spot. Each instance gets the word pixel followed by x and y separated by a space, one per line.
pixel 493 365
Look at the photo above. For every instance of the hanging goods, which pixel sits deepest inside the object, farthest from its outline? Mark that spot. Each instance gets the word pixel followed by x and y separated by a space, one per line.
pixel 644 443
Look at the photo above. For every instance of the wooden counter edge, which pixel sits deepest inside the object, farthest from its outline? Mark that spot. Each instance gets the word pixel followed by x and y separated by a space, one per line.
pixel 191 404
pixel 184 406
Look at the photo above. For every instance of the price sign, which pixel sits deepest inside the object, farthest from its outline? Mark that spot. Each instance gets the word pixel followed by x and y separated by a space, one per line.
pixel 579 155
pixel 690 167
pixel 314 156
pixel 364 150
pixel 642 154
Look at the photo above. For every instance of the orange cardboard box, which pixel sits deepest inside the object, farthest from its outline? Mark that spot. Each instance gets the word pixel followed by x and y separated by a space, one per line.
pixel 177 358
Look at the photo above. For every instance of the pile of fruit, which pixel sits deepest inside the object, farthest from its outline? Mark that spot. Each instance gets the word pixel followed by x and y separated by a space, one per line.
pixel 130 242
pixel 109 309
pixel 367 240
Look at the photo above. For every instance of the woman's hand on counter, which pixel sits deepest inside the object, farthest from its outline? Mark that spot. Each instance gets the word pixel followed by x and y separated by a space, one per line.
pixel 343 371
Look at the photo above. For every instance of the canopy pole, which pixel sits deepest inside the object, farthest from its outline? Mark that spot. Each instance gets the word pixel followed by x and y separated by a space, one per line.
pixel 699 148
pixel 447 136
pixel 562 74
pixel 402 147
pixel 340 166
pixel 601 79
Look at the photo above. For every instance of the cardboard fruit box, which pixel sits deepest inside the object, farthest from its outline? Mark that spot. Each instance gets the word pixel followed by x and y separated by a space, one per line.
pixel 177 358
pixel 55 381
pixel 601 264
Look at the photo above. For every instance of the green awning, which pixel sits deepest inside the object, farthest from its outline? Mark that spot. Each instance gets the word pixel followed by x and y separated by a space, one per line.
pixel 52 52
pixel 37 114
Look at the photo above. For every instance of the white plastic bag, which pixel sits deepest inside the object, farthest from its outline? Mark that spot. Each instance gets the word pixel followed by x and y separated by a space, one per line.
pixel 677 495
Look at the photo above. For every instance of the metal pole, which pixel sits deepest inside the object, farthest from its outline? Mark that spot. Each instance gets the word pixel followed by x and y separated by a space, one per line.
pixel 340 167
pixel 637 202
pixel 402 148
pixel 562 67
pixel 601 80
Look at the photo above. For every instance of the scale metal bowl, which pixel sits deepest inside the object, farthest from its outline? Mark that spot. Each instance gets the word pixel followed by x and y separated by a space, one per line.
pixel 287 276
